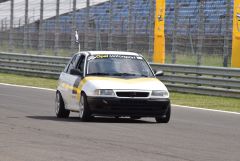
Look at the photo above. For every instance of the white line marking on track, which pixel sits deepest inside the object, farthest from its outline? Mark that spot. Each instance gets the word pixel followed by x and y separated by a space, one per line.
pixel 205 109
pixel 14 85
pixel 196 108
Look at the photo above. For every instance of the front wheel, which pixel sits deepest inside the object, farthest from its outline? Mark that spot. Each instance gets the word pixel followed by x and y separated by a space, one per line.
pixel 84 111
pixel 60 110
pixel 164 118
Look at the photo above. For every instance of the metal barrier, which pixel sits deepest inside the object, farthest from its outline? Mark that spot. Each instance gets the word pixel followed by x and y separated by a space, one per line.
pixel 215 81
pixel 32 65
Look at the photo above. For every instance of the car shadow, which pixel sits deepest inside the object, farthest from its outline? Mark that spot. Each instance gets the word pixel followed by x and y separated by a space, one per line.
pixel 93 120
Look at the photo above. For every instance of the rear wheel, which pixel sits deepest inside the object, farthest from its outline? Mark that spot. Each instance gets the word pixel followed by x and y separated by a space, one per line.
pixel 164 118
pixel 60 110
pixel 84 111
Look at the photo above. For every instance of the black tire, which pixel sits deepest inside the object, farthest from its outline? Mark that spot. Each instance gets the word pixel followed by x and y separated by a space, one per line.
pixel 84 112
pixel 60 110
pixel 164 118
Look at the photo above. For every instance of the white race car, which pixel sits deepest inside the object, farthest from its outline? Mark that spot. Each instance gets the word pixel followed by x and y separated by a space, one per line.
pixel 111 83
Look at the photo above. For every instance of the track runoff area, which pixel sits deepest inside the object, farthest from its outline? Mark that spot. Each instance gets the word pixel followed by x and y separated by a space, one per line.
pixel 179 106
pixel 29 130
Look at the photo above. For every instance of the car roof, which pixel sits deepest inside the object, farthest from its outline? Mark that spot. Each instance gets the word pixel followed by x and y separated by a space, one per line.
pixel 112 53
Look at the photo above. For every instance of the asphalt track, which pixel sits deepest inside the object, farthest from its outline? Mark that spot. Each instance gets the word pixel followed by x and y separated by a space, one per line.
pixel 29 131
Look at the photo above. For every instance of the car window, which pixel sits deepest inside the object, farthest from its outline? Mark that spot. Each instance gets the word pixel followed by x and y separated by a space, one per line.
pixel 66 68
pixel 118 65
pixel 81 63
pixel 72 63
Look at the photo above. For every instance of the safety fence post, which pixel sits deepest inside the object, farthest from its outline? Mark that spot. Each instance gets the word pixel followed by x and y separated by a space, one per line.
pixel 10 39
pixel 130 25
pixel 236 35
pixel 87 16
pixel 159 34
pixel 56 34
pixel 40 32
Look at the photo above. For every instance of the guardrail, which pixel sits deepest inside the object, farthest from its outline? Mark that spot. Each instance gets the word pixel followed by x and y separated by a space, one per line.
pixel 32 65
pixel 215 81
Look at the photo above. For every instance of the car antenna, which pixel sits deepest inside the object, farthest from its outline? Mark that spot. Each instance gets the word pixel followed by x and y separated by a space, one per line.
pixel 77 40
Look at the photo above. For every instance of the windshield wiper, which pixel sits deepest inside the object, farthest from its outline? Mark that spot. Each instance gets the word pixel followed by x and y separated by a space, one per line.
pixel 98 74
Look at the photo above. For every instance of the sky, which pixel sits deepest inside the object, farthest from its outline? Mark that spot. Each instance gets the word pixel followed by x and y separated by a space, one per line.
pixel 34 9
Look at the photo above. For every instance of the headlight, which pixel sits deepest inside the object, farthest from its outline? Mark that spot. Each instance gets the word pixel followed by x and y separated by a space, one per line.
pixel 104 92
pixel 160 94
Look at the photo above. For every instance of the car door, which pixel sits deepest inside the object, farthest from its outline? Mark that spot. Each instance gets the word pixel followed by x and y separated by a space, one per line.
pixel 68 80
pixel 65 81
pixel 80 65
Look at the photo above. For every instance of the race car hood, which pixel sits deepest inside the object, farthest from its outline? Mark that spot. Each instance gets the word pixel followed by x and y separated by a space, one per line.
pixel 125 83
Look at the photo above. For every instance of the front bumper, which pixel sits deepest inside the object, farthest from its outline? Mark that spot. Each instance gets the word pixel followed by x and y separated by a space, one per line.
pixel 128 107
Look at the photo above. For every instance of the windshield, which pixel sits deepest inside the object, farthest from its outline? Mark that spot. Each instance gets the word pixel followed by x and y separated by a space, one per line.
pixel 118 65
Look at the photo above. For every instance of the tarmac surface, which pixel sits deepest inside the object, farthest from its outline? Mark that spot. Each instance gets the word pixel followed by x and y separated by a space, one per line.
pixel 30 131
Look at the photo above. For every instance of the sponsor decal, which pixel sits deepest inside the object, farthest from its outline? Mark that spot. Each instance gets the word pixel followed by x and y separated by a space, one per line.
pixel 114 56
pixel 75 85
pixel 101 56
pixel 160 15
pixel 122 56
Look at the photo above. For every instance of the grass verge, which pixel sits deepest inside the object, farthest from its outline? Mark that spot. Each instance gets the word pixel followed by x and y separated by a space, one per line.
pixel 181 58
pixel 28 81
pixel 203 101
pixel 211 102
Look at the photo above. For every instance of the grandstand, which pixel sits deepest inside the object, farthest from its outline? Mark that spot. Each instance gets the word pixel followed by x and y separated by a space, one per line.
pixel 215 12
pixel 187 21
pixel 99 14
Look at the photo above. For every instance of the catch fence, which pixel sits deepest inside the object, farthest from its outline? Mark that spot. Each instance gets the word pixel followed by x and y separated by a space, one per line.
pixel 198 32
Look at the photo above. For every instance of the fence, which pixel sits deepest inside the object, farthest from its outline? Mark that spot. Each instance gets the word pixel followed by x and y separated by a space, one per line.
pixel 217 81
pixel 198 32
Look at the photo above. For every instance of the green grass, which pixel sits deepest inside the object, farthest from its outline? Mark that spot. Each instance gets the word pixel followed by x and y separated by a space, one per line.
pixel 27 81
pixel 203 101
pixel 187 59
pixel 220 103
pixel 181 58
pixel 34 51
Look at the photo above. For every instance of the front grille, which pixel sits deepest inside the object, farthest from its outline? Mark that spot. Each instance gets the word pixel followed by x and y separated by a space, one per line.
pixel 135 105
pixel 132 94
pixel 130 102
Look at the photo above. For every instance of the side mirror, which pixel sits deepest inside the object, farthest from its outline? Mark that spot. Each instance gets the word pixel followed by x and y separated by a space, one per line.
pixel 76 72
pixel 159 73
